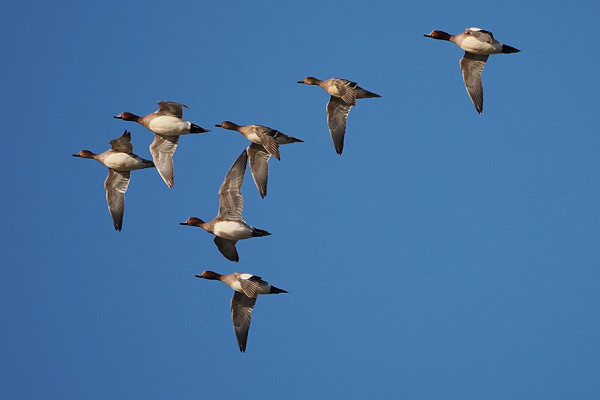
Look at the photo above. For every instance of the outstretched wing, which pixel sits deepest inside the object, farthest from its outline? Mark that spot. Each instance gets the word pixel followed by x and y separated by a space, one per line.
pixel 231 202
pixel 471 66
pixel 116 185
pixel 170 108
pixel 162 149
pixel 227 248
pixel 122 143
pixel 337 112
pixel 241 315
pixel 258 159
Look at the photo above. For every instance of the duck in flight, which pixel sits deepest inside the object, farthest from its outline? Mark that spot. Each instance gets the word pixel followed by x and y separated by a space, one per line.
pixel 478 44
pixel 228 226
pixel 167 125
pixel 120 161
pixel 265 143
pixel 247 288
pixel 343 96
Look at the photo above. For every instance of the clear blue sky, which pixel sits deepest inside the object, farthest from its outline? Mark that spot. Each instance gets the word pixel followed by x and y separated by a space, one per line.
pixel 444 255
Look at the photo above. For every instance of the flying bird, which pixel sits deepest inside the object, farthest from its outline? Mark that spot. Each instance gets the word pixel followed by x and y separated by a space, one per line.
pixel 120 161
pixel 265 143
pixel 247 288
pixel 478 44
pixel 228 226
pixel 167 125
pixel 343 96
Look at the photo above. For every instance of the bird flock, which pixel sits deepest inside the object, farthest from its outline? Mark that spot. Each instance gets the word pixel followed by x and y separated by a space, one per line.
pixel 228 227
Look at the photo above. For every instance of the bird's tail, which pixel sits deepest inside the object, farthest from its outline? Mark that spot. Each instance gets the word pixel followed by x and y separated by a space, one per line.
pixel 259 232
pixel 197 129
pixel 370 94
pixel 287 139
pixel 282 138
pixel 276 290
pixel 509 49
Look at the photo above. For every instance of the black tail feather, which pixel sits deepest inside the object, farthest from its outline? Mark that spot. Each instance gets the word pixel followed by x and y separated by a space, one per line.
pixel 276 290
pixel 509 49
pixel 371 94
pixel 259 232
pixel 197 129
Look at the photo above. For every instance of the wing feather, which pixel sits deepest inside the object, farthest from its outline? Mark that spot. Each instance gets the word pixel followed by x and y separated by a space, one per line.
pixel 116 185
pixel 170 108
pixel 123 143
pixel 227 248
pixel 337 112
pixel 162 150
pixel 231 202
pixel 471 66
pixel 258 158
pixel 241 316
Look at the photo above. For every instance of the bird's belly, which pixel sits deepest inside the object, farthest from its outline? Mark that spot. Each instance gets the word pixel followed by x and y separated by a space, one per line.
pixel 122 162
pixel 169 126
pixel 334 90
pixel 253 137
pixel 475 46
pixel 232 230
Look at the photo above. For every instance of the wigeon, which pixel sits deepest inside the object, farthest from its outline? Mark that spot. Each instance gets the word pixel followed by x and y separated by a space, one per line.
pixel 120 161
pixel 228 226
pixel 343 96
pixel 265 143
pixel 247 288
pixel 478 44
pixel 167 125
